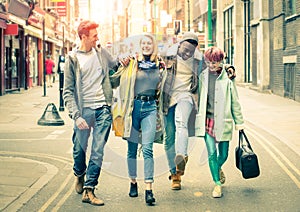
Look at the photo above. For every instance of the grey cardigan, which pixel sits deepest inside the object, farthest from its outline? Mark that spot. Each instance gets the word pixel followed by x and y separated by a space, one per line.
pixel 72 93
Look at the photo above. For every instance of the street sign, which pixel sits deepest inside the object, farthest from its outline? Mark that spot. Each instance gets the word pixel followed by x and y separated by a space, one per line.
pixel 61 8
pixel 109 44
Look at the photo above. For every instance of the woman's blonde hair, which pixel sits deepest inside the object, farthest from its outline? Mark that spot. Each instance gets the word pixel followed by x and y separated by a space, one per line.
pixel 153 56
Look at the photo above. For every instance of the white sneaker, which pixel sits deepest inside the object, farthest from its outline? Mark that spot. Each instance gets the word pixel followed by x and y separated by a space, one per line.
pixel 217 192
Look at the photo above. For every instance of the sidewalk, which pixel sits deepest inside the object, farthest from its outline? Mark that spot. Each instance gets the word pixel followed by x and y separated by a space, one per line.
pixel 19 113
pixel 277 115
pixel 21 110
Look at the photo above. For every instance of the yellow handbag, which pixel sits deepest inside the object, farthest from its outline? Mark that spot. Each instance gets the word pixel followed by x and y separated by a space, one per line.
pixel 118 108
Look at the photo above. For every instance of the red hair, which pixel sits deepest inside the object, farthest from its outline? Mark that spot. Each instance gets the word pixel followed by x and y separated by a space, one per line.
pixel 214 54
pixel 85 27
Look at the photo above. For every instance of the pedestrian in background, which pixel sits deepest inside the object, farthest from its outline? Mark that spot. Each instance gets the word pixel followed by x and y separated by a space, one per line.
pixel 138 87
pixel 218 108
pixel 49 63
pixel 88 97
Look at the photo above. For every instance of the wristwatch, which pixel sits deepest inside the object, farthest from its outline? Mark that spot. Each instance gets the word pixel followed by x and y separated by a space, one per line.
pixel 76 116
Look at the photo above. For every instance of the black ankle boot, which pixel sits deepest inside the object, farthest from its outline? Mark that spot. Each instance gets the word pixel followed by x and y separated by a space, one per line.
pixel 149 197
pixel 133 190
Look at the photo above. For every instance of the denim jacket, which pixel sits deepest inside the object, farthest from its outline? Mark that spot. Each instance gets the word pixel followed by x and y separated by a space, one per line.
pixel 72 93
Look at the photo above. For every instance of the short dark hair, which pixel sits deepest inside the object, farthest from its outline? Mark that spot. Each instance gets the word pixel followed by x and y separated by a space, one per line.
pixel 85 27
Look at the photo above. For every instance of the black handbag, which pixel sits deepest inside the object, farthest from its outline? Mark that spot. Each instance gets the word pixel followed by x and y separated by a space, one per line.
pixel 245 159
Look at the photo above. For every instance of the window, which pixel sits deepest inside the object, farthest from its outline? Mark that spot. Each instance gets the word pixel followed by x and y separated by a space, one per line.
pixel 289 80
pixel 228 36
pixel 290 7
pixel 177 27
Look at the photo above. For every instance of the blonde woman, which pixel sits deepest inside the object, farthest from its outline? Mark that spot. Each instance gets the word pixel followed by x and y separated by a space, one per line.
pixel 138 92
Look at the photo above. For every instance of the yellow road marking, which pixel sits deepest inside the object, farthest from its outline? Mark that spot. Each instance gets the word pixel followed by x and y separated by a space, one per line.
pixel 278 161
pixel 54 196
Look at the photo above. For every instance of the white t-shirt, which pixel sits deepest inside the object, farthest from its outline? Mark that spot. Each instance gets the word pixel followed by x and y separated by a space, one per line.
pixel 92 75
pixel 182 84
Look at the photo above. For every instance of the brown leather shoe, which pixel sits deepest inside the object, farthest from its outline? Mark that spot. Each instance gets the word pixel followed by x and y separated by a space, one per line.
pixel 180 162
pixel 79 181
pixel 90 197
pixel 176 180
pixel 222 176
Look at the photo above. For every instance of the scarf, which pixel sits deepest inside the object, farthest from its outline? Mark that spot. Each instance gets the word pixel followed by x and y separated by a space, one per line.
pixel 146 65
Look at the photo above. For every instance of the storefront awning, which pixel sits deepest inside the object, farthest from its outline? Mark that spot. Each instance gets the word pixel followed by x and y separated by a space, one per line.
pixel 33 31
pixel 54 41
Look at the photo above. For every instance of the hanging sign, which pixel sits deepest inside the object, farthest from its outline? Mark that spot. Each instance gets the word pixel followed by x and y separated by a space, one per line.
pixel 61 8
pixel 11 29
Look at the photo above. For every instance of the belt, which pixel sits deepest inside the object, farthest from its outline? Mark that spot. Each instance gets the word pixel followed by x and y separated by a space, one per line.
pixel 145 98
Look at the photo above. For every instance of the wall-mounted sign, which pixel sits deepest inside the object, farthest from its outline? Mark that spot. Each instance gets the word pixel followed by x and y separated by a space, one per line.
pixel 11 29
pixel 61 8
pixel 19 9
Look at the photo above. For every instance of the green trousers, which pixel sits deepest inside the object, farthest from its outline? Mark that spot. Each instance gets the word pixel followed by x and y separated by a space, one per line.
pixel 217 155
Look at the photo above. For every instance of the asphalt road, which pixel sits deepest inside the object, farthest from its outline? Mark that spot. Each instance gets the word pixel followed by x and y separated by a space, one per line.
pixel 37 162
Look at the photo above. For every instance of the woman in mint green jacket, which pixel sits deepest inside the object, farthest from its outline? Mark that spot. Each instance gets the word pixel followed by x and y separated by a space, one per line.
pixel 218 109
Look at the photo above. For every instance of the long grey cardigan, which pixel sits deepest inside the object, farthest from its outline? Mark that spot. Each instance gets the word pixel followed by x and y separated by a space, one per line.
pixel 72 93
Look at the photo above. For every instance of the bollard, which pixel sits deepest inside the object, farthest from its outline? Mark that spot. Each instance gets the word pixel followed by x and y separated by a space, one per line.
pixel 50 117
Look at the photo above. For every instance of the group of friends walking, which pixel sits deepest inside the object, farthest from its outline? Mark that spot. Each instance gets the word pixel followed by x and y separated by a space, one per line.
pixel 171 86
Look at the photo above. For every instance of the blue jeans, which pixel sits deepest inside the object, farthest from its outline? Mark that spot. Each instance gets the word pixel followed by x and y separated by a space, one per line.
pixel 176 132
pixel 144 119
pixel 100 120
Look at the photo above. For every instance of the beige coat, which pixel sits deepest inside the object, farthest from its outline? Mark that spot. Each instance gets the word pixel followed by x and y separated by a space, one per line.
pixel 127 76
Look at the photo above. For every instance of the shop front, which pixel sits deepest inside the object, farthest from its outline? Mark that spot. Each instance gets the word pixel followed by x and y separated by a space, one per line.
pixel 3 26
pixel 34 40
pixel 13 73
pixel 13 57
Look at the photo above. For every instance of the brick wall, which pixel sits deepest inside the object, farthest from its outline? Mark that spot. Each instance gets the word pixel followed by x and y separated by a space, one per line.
pixel 285 42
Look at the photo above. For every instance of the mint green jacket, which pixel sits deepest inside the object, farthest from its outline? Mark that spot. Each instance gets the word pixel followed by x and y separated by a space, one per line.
pixel 227 109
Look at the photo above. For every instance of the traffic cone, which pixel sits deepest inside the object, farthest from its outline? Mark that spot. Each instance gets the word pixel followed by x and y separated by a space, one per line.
pixel 50 117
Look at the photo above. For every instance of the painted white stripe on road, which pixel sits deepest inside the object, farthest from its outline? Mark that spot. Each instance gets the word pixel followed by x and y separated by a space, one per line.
pixel 54 134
